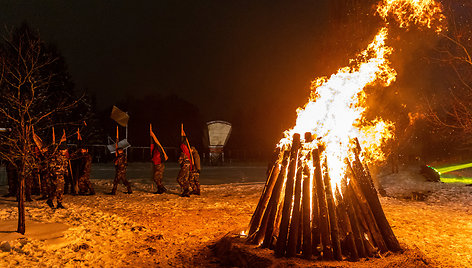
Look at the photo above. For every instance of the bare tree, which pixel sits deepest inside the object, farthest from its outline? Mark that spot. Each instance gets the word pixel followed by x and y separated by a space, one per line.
pixel 26 81
pixel 453 111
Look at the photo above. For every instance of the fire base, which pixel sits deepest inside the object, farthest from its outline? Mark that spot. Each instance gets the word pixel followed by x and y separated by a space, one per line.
pixel 299 213
pixel 233 251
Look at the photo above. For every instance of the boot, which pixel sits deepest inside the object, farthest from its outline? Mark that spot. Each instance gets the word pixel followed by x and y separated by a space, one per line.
pixel 59 205
pixel 50 204
pixel 129 190
pixel 196 191
pixel 92 191
pixel 113 191
pixel 161 189
pixel 185 193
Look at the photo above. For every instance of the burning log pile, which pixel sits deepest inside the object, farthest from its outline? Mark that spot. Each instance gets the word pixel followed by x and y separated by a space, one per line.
pixel 319 199
pixel 301 212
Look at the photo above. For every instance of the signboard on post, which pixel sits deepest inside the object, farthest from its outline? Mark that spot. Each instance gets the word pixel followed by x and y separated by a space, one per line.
pixel 119 116
pixel 218 134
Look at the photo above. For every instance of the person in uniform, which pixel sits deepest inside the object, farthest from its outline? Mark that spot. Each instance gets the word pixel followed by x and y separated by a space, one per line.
pixel 184 173
pixel 58 167
pixel 120 172
pixel 158 159
pixel 85 186
pixel 69 178
pixel 195 173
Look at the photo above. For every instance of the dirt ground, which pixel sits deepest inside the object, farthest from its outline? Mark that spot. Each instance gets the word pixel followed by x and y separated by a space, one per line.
pixel 148 230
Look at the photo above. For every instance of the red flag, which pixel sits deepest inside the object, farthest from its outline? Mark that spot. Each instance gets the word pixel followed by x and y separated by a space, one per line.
pixel 154 138
pixel 186 144
pixel 79 137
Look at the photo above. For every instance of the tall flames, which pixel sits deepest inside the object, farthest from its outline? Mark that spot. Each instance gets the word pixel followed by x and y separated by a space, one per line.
pixel 335 111
pixel 319 199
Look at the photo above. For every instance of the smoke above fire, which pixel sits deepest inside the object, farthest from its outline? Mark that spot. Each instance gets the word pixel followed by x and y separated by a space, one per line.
pixel 335 111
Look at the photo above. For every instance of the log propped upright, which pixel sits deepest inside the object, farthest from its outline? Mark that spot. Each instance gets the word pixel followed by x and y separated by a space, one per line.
pixel 302 212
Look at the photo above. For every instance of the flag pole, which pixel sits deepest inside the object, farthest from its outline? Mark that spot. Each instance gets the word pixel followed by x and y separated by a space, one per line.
pixel 116 142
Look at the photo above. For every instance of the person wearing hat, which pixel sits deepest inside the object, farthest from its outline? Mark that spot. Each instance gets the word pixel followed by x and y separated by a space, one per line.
pixel 120 172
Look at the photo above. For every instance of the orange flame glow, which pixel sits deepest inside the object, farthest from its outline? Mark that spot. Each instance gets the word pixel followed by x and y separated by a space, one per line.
pixel 406 12
pixel 335 111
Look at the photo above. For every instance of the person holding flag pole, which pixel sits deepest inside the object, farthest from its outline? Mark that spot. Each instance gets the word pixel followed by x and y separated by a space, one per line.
pixel 186 164
pixel 120 168
pixel 58 168
pixel 158 157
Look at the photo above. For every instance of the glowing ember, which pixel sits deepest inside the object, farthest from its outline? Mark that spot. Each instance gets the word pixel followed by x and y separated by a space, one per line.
pixel 406 12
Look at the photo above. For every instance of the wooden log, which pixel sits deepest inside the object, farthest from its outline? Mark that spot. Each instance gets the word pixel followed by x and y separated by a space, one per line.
pixel 344 221
pixel 300 232
pixel 278 220
pixel 366 210
pixel 294 232
pixel 274 203
pixel 259 235
pixel 306 204
pixel 281 245
pixel 315 232
pixel 264 200
pixel 357 235
pixel 307 216
pixel 367 186
pixel 323 210
pixel 333 220
pixel 363 226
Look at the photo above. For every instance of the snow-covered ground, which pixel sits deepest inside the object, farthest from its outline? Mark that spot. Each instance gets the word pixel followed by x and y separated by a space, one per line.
pixel 144 229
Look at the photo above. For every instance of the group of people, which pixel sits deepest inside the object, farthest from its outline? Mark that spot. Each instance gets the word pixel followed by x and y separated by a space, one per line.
pixel 58 172
pixel 50 174
pixel 188 177
pixel 189 174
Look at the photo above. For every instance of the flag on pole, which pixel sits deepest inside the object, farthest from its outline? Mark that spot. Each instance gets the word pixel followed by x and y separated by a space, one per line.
pixel 79 137
pixel 64 137
pixel 157 143
pixel 119 116
pixel 186 145
pixel 116 142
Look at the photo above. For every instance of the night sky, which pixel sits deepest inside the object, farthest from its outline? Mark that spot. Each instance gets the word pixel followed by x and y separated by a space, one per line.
pixel 252 60
pixel 219 55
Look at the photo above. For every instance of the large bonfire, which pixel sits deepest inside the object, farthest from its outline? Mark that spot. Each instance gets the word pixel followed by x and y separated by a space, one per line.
pixel 319 198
